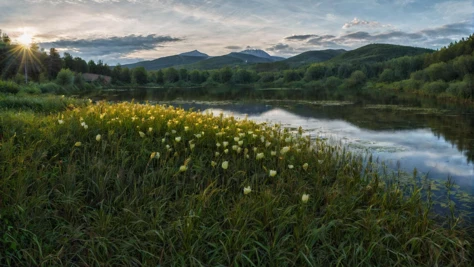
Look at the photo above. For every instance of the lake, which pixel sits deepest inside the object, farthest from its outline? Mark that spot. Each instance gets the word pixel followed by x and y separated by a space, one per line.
pixel 434 137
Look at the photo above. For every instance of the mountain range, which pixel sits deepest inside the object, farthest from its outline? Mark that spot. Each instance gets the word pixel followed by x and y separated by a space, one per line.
pixel 262 61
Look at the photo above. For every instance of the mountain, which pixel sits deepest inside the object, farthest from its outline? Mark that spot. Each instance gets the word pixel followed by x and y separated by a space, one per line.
pixel 170 61
pixel 308 57
pixel 194 53
pixel 231 60
pixel 378 53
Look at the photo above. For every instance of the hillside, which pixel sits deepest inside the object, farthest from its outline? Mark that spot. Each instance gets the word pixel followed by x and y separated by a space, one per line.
pixel 378 53
pixel 230 60
pixel 299 60
pixel 165 62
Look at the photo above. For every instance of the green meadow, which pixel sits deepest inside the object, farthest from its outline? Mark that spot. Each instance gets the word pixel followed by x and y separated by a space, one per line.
pixel 129 184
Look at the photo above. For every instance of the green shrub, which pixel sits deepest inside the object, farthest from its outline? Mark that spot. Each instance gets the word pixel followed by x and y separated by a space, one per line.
pixel 9 87
pixel 459 89
pixel 65 77
pixel 436 87
pixel 51 88
pixel 31 89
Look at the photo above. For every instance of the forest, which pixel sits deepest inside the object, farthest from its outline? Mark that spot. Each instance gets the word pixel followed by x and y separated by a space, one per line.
pixel 446 73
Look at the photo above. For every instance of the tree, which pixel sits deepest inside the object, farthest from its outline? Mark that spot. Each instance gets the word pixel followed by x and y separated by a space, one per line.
pixel 315 72
pixel 125 76
pixel 53 63
pixel 92 66
pixel 159 77
pixel 68 61
pixel 195 76
pixel 183 75
pixel 225 74
pixel 65 77
pixel 139 75
pixel 116 73
pixel 171 75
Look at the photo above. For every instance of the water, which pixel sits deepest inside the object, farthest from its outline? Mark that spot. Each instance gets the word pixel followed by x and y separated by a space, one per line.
pixel 435 138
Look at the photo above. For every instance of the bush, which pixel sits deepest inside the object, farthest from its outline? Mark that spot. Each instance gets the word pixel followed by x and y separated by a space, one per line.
pixel 65 77
pixel 436 87
pixel 51 88
pixel 9 87
pixel 31 89
pixel 459 89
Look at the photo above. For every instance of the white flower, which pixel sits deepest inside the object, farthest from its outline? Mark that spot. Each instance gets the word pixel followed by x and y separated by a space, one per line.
pixel 236 139
pixel 192 146
pixel 305 198
pixel 150 129
pixel 288 139
pixel 235 147
pixel 226 151
pixel 183 168
pixel 186 128
pixel 290 166
pixel 305 166
pixel 260 156
pixel 273 153
pixel 97 137
pixel 217 154
pixel 267 144
pixel 177 139
pixel 142 134
pixel 60 121
pixel 173 131
pixel 225 143
pixel 225 165
pixel 247 190
pixel 198 136
pixel 218 144
pixel 284 150
pixel 86 126
pixel 163 140
pixel 272 173
pixel 241 143
pixel 213 163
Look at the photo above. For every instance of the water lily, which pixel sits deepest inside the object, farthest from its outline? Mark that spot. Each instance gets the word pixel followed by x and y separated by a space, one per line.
pixel 247 190
pixel 98 137
pixel 305 198
pixel 78 144
pixel 225 165
pixel 305 166
pixel 142 134
pixel 272 173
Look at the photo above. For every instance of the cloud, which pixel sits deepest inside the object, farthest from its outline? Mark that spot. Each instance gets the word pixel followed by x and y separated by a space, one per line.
pixel 299 37
pixel 358 22
pixel 280 48
pixel 233 47
pixel 111 45
pixel 461 28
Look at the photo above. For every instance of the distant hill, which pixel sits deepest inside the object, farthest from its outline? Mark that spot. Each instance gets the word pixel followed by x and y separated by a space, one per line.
pixel 377 53
pixel 301 59
pixel 170 61
pixel 231 60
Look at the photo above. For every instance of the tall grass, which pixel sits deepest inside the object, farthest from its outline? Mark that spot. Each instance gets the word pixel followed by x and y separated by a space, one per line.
pixel 45 104
pixel 130 184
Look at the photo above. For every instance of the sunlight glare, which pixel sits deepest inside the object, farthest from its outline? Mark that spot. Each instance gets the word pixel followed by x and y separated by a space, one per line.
pixel 25 39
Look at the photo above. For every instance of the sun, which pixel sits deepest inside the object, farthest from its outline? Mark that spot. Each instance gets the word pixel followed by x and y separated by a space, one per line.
pixel 25 39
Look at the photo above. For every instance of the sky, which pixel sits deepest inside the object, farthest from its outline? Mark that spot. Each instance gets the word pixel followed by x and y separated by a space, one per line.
pixel 127 31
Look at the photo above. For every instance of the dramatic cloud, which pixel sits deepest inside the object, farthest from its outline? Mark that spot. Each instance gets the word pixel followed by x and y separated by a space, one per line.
pixel 233 47
pixel 299 37
pixel 112 45
pixel 358 22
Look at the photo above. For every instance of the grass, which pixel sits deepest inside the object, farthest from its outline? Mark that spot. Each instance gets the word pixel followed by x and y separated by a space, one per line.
pixel 41 104
pixel 136 184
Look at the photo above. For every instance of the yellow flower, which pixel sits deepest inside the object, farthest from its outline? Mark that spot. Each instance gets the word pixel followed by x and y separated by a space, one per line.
pixel 150 129
pixel 186 128
pixel 153 154
pixel 213 163
pixel 183 168
pixel 305 198
pixel 78 144
pixel 226 151
pixel 97 137
pixel 177 139
pixel 247 190
pixel 305 166
pixel 273 173
pixel 142 134
pixel 260 156
pixel 225 165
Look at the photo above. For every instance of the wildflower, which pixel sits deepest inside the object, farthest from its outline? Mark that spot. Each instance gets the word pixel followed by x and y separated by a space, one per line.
pixel 267 144
pixel 86 126
pixel 225 165
pixel 236 139
pixel 273 153
pixel 305 166
pixel 320 161
pixel 262 139
pixel 183 168
pixel 239 150
pixel 272 173
pixel 97 137
pixel 198 136
pixel 83 123
pixel 213 163
pixel 163 140
pixel 153 154
pixel 290 166
pixel 284 150
pixel 150 129
pixel 186 128
pixel 260 156
pixel 142 134
pixel 225 143
pixel 173 131
pixel 218 144
pixel 247 190
pixel 235 147
pixel 78 144
pixel 217 154
pixel 177 139
pixel 192 146
pixel 241 134
pixel 305 198
pixel 226 151
pixel 288 139
pixel 241 143
pixel 60 121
